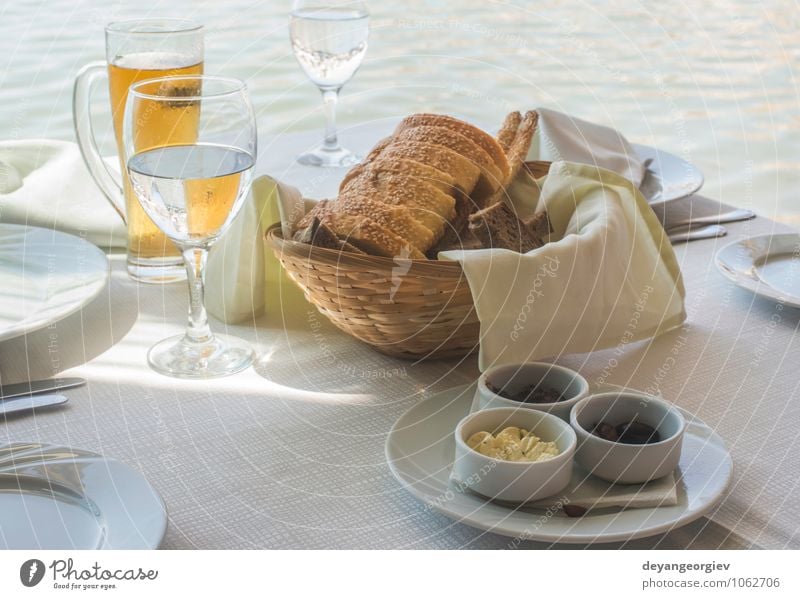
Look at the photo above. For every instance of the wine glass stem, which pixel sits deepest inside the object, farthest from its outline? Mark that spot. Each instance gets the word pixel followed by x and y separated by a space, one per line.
pixel 197 330
pixel 330 97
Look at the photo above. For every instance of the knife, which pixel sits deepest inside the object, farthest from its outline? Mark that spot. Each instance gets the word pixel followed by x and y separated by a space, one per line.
pixel 34 387
pixel 30 402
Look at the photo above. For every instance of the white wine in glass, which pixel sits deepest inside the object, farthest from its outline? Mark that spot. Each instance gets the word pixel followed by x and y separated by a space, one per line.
pixel 329 40
pixel 192 192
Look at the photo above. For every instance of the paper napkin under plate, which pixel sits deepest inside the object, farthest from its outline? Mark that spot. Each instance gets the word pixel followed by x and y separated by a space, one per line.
pixel 590 492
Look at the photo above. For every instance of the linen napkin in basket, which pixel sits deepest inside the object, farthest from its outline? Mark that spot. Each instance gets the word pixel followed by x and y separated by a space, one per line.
pixel 45 183
pixel 561 137
pixel 608 276
pixel 590 492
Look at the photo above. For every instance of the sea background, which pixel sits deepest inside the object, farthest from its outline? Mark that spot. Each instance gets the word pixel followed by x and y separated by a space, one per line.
pixel 712 81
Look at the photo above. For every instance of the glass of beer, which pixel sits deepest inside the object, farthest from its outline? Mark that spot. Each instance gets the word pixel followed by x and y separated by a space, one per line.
pixel 193 191
pixel 136 50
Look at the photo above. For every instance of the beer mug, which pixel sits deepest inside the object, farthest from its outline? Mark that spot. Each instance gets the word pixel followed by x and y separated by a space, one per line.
pixel 136 50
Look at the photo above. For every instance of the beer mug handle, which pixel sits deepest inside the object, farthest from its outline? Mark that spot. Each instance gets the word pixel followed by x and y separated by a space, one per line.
pixel 105 178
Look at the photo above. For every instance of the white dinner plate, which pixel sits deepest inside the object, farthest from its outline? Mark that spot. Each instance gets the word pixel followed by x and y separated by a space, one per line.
pixel 767 265
pixel 46 275
pixel 61 498
pixel 420 451
pixel 668 177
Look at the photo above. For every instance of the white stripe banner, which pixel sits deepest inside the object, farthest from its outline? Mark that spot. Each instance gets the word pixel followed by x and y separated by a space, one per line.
pixel 406 574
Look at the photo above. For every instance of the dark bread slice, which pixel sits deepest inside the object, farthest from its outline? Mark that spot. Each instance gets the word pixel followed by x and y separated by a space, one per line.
pixel 456 234
pixel 498 226
pixel 539 225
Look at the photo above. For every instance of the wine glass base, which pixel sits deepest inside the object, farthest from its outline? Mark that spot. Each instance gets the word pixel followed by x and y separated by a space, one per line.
pixel 157 271
pixel 323 157
pixel 179 357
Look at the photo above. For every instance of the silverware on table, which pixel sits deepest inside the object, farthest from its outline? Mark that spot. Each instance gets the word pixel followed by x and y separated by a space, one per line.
pixel 30 402
pixel 40 386
pixel 650 186
pixel 731 216
pixel 707 232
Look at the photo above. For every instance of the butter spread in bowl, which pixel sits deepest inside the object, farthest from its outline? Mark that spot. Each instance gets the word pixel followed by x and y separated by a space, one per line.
pixel 513 444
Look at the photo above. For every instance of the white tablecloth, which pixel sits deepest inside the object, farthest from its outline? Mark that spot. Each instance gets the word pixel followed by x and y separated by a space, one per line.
pixel 289 454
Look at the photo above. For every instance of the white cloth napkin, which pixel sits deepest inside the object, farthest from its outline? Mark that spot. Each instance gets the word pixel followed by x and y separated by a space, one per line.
pixel 608 276
pixel 561 137
pixel 45 183
pixel 590 492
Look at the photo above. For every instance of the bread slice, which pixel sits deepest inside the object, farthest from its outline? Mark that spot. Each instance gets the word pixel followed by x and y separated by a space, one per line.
pixel 320 235
pixel 539 225
pixel 518 150
pixel 464 172
pixel 430 206
pixel 498 226
pixel 397 219
pixel 456 233
pixel 491 175
pixel 360 231
pixel 508 130
pixel 477 135
pixel 465 241
pixel 439 179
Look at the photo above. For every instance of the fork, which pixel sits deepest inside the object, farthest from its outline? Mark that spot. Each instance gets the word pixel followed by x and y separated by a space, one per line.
pixel 731 216
pixel 707 232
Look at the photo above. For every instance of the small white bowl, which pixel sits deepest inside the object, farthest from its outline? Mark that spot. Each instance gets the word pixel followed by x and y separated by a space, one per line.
pixel 514 481
pixel 516 377
pixel 622 462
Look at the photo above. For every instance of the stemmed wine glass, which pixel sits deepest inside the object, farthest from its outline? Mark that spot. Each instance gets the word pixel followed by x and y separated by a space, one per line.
pixel 192 191
pixel 329 40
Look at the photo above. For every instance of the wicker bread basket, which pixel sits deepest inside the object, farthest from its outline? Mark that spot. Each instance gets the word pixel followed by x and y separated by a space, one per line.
pixel 413 309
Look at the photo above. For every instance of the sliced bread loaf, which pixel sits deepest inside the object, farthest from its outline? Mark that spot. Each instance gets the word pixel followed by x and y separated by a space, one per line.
pixel 477 135
pixel 491 176
pixel 429 205
pixel 464 172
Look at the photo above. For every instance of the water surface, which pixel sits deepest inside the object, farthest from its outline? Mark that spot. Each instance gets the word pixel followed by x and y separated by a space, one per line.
pixel 711 81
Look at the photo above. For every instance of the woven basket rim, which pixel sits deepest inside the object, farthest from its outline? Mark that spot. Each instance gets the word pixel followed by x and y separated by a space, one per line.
pixel 422 268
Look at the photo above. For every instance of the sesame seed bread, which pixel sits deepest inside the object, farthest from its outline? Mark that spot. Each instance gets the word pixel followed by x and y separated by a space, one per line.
pixel 397 219
pixel 430 206
pixel 491 176
pixel 436 183
pixel 439 179
pixel 360 231
pixel 464 172
pixel 477 135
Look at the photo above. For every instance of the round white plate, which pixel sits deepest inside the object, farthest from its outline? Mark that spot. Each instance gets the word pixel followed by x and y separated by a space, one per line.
pixel 767 265
pixel 668 177
pixel 420 451
pixel 61 498
pixel 46 275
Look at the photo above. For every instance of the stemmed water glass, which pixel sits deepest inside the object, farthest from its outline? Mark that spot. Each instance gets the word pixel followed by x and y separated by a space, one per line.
pixel 192 191
pixel 329 40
